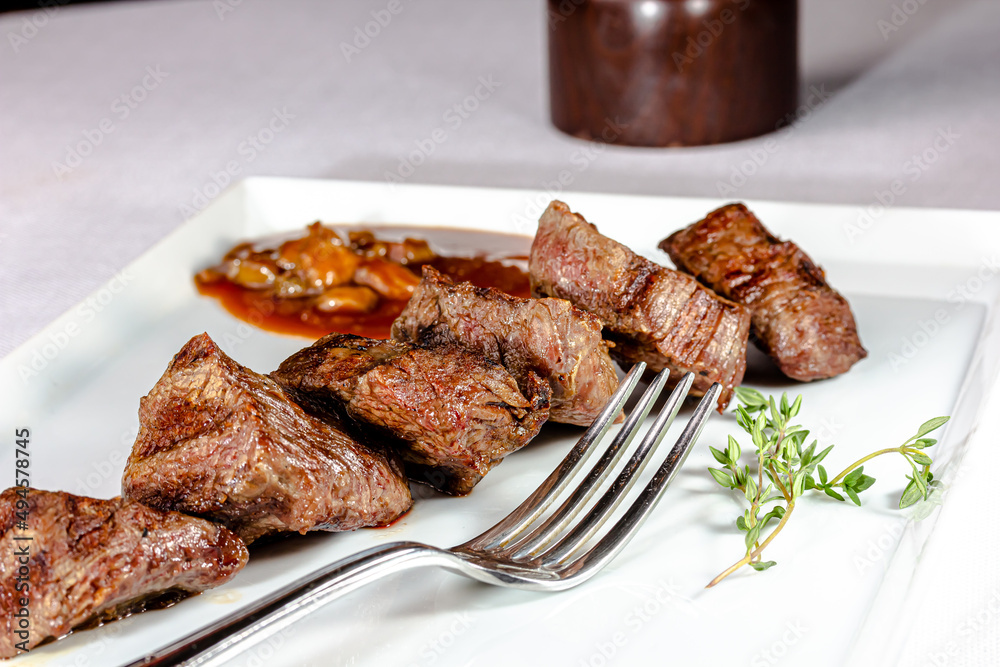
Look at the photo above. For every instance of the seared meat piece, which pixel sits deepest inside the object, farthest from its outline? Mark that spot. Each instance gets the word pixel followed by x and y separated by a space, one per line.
pixel 799 320
pixel 650 313
pixel 71 559
pixel 220 441
pixel 546 337
pixel 452 413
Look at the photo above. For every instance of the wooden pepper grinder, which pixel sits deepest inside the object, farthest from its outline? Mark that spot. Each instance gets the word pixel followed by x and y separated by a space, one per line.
pixel 672 72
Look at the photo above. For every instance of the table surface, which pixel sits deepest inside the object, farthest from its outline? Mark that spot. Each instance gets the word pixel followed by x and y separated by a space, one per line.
pixel 121 121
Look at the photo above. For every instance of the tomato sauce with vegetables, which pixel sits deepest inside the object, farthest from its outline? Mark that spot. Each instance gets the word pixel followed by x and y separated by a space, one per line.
pixel 355 280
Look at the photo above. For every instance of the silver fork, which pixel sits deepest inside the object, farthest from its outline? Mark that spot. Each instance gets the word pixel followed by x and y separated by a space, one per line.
pixel 523 550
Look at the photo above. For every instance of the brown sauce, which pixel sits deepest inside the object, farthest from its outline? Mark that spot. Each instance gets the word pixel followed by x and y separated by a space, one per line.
pixel 486 259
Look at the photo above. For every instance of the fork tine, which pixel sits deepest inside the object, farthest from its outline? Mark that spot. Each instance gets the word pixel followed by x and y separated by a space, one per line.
pixel 555 523
pixel 602 510
pixel 525 513
pixel 592 561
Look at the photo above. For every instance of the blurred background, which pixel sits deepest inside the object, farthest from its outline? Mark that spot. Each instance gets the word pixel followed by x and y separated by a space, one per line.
pixel 837 38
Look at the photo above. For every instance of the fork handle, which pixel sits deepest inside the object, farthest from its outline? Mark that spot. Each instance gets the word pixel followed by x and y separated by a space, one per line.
pixel 231 635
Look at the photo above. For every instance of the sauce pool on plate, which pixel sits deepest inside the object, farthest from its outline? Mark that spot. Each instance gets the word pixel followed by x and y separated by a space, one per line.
pixel 355 279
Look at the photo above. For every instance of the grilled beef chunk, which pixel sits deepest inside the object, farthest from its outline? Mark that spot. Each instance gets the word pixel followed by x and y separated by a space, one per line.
pixel 452 413
pixel 546 337
pixel 797 319
pixel 650 313
pixel 220 441
pixel 79 559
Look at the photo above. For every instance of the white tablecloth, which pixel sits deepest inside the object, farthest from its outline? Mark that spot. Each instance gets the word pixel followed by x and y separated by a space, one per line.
pixel 120 121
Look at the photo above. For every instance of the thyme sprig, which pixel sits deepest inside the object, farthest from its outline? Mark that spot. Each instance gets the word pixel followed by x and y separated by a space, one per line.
pixel 786 468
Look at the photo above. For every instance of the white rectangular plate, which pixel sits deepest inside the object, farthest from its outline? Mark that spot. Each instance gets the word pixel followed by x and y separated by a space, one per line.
pixel 925 297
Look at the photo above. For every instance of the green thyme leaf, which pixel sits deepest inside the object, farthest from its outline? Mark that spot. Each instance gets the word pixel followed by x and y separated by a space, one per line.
pixel 822 454
pixel 760 566
pixel 853 476
pixel 722 477
pixel 865 482
pixel 757 434
pixel 833 494
pixel 799 486
pixel 795 406
pixel 911 494
pixel 931 425
pixel 719 456
pixel 750 398
pixel 797 437
pixel 733 450
pixel 807 454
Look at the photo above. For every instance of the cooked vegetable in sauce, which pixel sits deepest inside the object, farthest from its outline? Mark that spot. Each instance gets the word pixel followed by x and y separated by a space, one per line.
pixel 352 281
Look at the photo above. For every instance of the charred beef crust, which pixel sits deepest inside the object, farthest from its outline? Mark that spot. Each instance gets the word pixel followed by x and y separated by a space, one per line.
pixel 550 338
pixel 451 413
pixel 650 313
pixel 801 322
pixel 92 558
pixel 222 442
